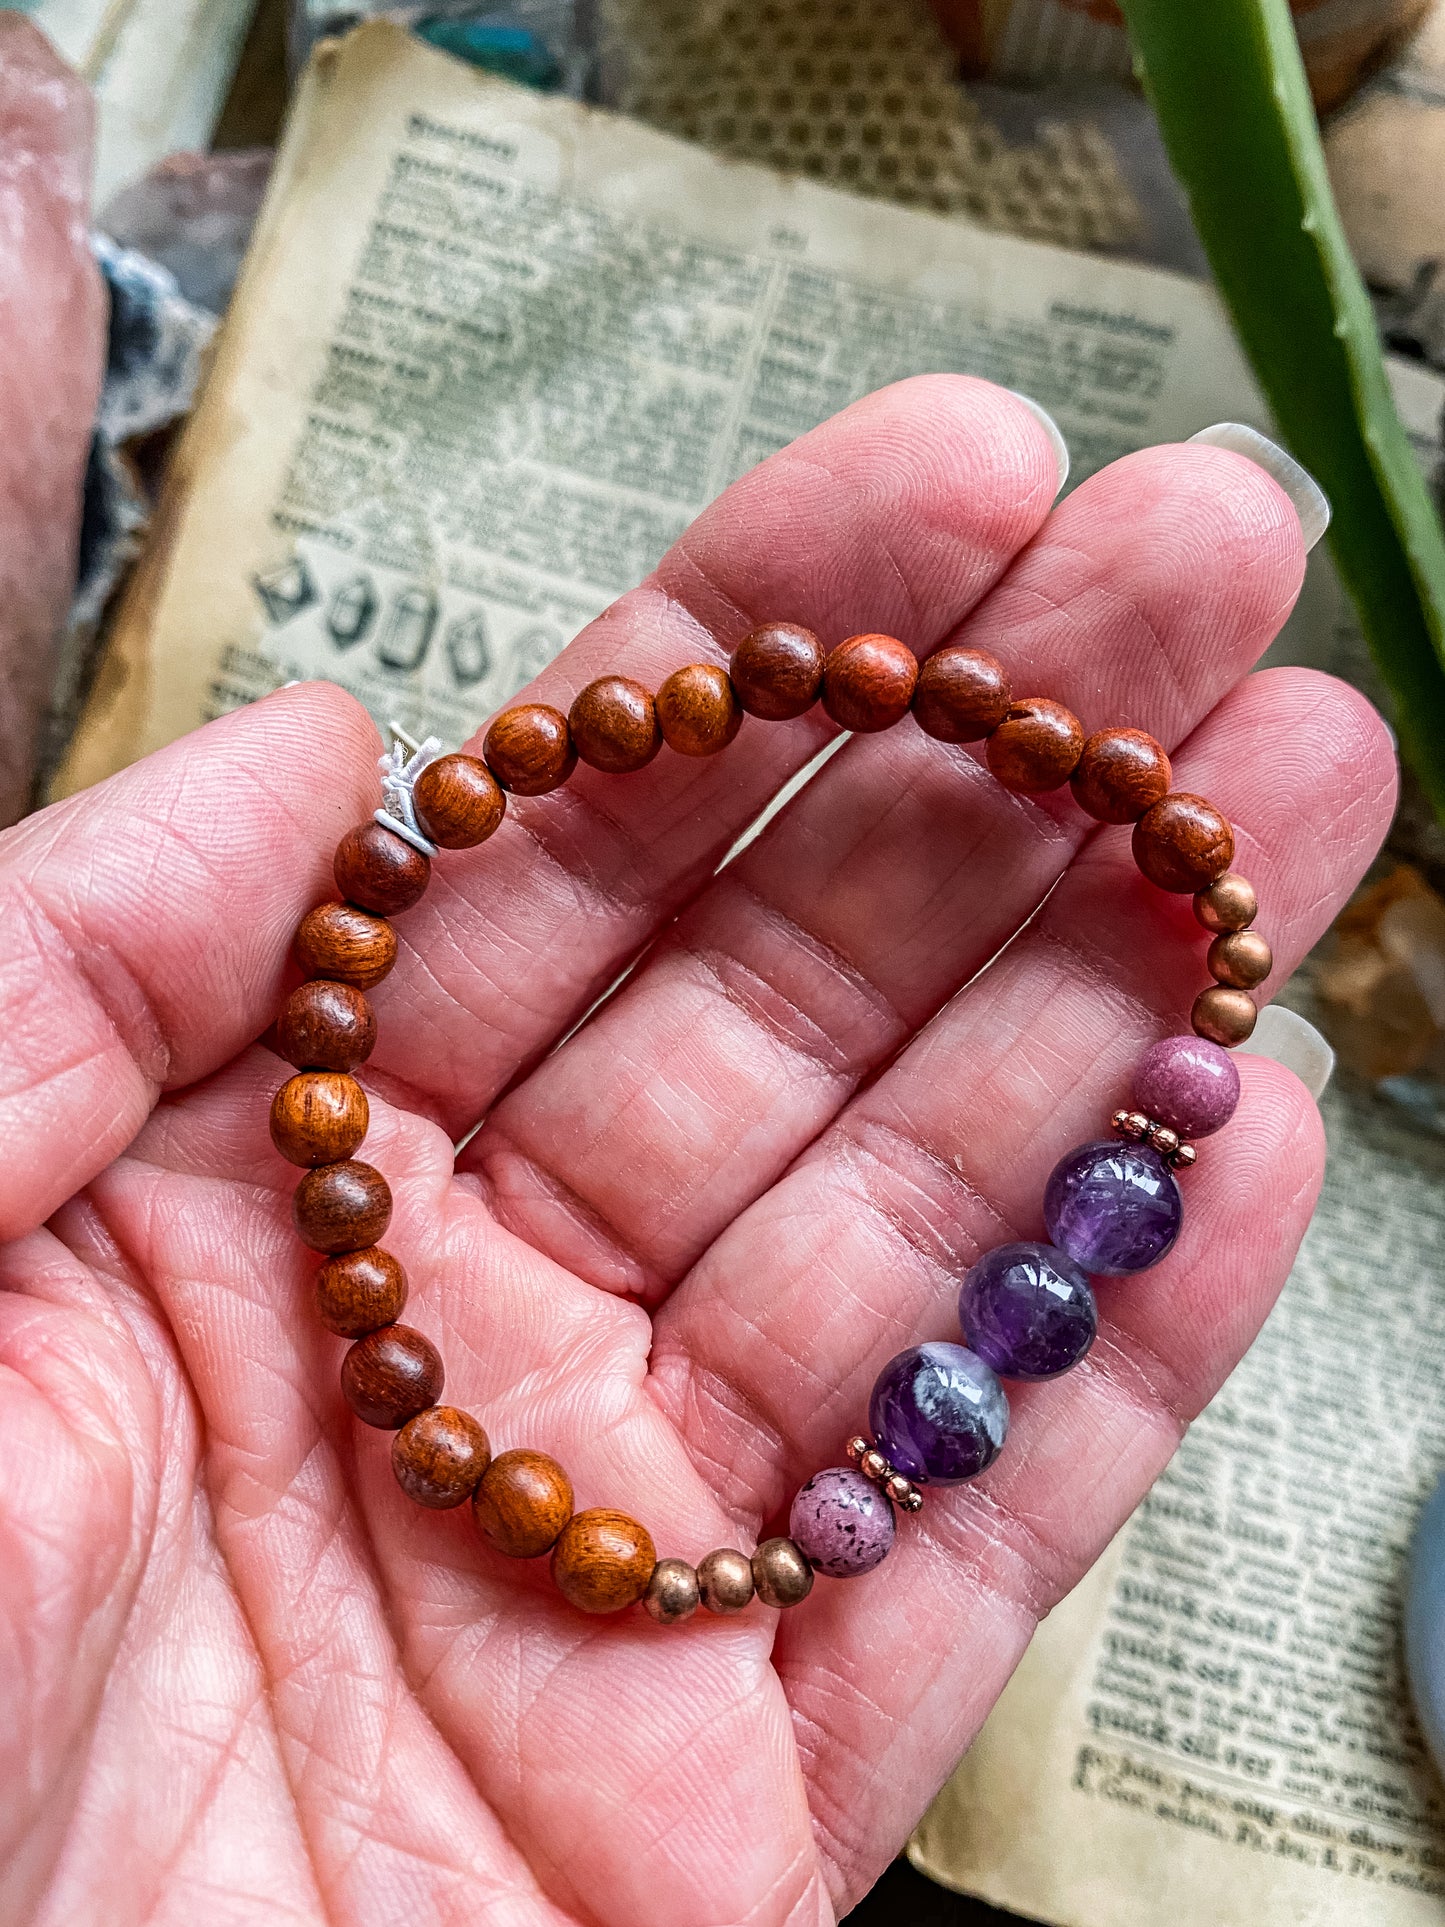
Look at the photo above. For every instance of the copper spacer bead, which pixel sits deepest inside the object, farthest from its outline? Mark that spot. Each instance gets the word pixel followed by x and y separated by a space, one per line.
pixel 857 1446
pixel 781 1573
pixel 725 1580
pixel 1164 1141
pixel 914 1501
pixel 874 1466
pixel 1130 1124
pixel 898 1488
pixel 672 1592
pixel 1183 1157
pixel 1226 1017
pixel 1228 904
pixel 1240 959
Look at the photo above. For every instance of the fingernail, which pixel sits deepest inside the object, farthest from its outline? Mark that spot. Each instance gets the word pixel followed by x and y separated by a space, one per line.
pixel 1052 430
pixel 1311 504
pixel 1293 1041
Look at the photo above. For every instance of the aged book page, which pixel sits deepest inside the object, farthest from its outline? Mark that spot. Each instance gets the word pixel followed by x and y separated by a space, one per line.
pixel 492 351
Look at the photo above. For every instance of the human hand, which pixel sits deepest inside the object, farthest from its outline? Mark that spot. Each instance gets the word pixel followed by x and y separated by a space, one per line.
pixel 243 1675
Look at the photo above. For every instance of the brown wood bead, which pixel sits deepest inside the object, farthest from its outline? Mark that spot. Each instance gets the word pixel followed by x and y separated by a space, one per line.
pixel 777 671
pixel 326 1027
pixel 391 1375
pixel 374 868
pixel 338 940
pixel 360 1291
pixel 1228 904
pixel 868 683
pixel 459 800
pixel 1122 773
pixel 614 725
pixel 1224 1016
pixel 522 1503
pixel 529 749
pixel 602 1561
pixel 962 695
pixel 698 711
pixel 1240 958
pixel 1183 843
pixel 439 1456
pixel 318 1117
pixel 1036 747
pixel 341 1207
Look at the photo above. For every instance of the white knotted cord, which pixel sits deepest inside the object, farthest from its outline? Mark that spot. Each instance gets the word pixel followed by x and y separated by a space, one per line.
pixel 400 767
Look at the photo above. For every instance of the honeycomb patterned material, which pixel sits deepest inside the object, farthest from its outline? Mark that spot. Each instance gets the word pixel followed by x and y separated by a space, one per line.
pixel 861 94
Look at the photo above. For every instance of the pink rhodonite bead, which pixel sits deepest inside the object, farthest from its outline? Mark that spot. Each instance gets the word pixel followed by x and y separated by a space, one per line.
pixel 1187 1083
pixel 842 1523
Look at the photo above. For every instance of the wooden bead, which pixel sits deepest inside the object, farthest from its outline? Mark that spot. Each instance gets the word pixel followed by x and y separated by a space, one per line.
pixel 360 1291
pixel 697 710
pixel 373 867
pixel 868 683
pixel 318 1117
pixel 614 725
pixel 391 1375
pixel 1228 904
pixel 1224 1016
pixel 439 1456
pixel 781 1573
pixel 459 801
pixel 1240 958
pixel 522 1503
pixel 725 1581
pixel 529 749
pixel 338 940
pixel 1183 843
pixel 962 695
pixel 341 1207
pixel 326 1027
pixel 1036 747
pixel 1121 773
pixel 602 1561
pixel 777 671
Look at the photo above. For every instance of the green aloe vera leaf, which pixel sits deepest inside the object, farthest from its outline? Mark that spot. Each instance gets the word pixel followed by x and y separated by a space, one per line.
pixel 1229 89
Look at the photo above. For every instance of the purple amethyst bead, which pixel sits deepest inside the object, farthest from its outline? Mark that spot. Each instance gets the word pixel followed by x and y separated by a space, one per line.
pixel 842 1523
pixel 1027 1311
pixel 1113 1207
pixel 938 1414
pixel 1187 1083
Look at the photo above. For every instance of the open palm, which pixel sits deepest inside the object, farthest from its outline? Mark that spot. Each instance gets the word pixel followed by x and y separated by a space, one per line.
pixel 242 1678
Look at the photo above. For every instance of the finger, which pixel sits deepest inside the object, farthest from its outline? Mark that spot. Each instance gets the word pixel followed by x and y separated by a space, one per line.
pixel 899 513
pixel 900 870
pixel 766 1355
pixel 52 323
pixel 148 925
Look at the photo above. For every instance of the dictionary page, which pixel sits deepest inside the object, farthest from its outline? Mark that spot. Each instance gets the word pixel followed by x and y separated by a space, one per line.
pixel 493 350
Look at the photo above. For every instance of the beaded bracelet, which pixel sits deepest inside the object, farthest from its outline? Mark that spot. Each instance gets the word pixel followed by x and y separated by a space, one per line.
pixel 938 1413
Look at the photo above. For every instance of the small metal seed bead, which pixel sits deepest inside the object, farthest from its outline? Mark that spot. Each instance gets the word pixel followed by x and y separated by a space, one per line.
pixel 672 1592
pixel 874 1466
pixel 1165 1141
pixel 1184 1157
pixel 1224 1016
pixel 1130 1124
pixel 857 1446
pixel 781 1573
pixel 1228 904
pixel 1240 958
pixel 725 1580
pixel 898 1488
pixel 914 1501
